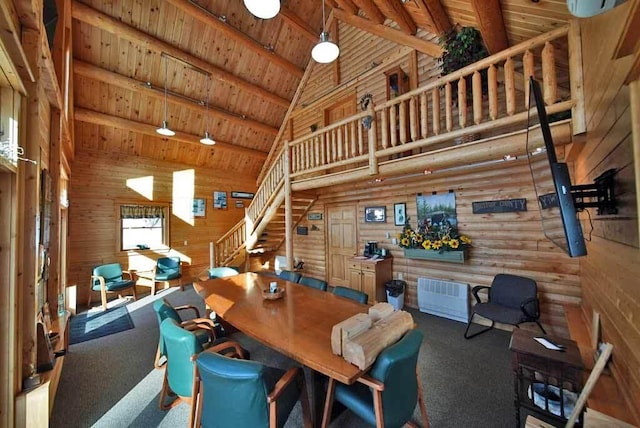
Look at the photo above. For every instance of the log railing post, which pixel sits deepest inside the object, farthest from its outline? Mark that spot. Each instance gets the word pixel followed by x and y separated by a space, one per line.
pixel 477 97
pixel 373 143
pixel 288 207
pixel 492 77
pixel 448 107
pixel 578 117
pixel 510 86
pixel 436 110
pixel 462 102
pixel 549 80
pixel 528 67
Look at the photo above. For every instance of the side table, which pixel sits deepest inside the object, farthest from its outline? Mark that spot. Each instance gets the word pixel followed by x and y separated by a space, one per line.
pixel 543 378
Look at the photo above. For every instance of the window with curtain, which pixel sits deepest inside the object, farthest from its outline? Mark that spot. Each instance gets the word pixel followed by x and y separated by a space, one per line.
pixel 143 227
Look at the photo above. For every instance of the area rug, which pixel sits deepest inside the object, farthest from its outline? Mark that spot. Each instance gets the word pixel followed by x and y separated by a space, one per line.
pixel 89 326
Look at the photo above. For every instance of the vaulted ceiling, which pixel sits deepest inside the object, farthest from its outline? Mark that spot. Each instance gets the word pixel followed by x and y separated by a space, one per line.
pixel 246 69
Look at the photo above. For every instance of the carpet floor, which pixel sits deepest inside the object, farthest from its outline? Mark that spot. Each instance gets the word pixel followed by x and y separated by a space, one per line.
pixel 111 382
pixel 94 324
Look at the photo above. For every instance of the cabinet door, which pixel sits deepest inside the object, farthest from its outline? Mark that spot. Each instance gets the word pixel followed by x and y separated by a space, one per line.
pixel 355 279
pixel 369 285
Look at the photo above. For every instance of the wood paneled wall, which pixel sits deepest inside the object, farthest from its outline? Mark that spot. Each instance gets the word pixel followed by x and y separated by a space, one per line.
pixel 611 270
pixel 502 243
pixel 99 184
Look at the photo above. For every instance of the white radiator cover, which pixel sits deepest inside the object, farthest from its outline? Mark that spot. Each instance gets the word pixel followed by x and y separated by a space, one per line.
pixel 444 298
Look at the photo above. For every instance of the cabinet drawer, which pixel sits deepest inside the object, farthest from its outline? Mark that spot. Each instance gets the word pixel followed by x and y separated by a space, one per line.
pixel 354 265
pixel 371 267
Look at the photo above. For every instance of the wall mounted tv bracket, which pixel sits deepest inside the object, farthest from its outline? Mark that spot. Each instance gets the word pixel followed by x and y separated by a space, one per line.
pixel 602 190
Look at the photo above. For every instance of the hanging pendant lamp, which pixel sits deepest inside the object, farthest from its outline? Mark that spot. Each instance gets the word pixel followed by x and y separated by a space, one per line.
pixel 207 138
pixel 164 129
pixel 265 9
pixel 325 51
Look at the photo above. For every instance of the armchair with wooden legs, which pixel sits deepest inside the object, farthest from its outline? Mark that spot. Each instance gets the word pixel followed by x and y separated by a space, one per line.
pixel 387 394
pixel 110 278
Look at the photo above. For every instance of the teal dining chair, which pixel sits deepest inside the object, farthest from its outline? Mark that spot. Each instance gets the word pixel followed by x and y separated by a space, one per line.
pixel 110 278
pixel 236 392
pixel 222 272
pixel 350 293
pixel 387 394
pixel 289 275
pixel 313 282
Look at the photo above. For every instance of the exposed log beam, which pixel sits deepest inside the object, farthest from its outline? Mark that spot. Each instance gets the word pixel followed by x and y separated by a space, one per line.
pixel 29 13
pixel 16 68
pixel 395 10
pixel 348 6
pixel 371 10
pixel 389 33
pixel 91 71
pixel 491 24
pixel 298 24
pixel 205 16
pixel 96 118
pixel 104 22
pixel 434 11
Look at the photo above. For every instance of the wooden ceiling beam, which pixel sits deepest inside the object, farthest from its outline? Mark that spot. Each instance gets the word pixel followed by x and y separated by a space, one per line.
pixel 29 13
pixel 388 33
pixel 348 6
pixel 94 72
pixel 298 24
pixel 491 24
pixel 395 10
pixel 96 118
pixel 16 67
pixel 208 18
pixel 434 11
pixel 371 10
pixel 104 22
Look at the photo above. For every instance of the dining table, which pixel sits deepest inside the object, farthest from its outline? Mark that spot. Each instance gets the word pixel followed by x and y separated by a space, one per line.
pixel 298 324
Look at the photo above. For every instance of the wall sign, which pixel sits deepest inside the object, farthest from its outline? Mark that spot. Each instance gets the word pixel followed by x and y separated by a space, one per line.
pixel 242 195
pixel 302 230
pixel 503 206
pixel 314 216
pixel 547 201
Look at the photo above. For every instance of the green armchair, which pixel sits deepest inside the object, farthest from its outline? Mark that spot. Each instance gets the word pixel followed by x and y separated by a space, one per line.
pixel 234 392
pixel 110 278
pixel 387 394
pixel 168 270
pixel 350 293
pixel 313 283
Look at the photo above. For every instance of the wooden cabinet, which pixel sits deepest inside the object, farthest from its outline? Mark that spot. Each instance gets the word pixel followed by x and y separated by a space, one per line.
pixel 369 276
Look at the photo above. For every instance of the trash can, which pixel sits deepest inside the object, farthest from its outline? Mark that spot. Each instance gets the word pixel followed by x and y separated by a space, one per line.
pixel 395 293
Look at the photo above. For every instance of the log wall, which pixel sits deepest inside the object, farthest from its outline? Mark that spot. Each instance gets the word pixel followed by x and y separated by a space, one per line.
pixel 611 269
pixel 502 242
pixel 100 184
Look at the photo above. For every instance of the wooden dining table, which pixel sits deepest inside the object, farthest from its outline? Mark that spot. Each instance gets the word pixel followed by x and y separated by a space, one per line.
pixel 297 325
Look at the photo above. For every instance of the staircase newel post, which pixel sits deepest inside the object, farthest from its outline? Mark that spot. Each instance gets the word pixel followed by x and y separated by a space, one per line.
pixel 373 140
pixel 288 206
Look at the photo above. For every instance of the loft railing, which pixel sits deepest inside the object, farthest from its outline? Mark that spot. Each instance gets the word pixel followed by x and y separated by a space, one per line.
pixel 489 96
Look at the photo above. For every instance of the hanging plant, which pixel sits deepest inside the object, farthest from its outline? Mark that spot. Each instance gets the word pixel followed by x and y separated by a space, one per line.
pixel 462 46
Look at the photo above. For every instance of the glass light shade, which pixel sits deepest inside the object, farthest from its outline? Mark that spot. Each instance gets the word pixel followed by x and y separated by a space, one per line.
pixel 164 130
pixel 265 9
pixel 207 139
pixel 325 51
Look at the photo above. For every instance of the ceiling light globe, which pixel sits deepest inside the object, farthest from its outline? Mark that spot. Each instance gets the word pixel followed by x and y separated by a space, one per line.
pixel 164 130
pixel 325 51
pixel 206 140
pixel 265 9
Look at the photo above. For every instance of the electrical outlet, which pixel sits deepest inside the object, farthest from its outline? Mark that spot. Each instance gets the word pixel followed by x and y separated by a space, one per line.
pixel 388 235
pixel 186 243
pixel 399 275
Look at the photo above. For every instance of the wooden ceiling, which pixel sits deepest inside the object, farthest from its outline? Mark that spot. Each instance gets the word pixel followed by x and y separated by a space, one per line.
pixel 247 69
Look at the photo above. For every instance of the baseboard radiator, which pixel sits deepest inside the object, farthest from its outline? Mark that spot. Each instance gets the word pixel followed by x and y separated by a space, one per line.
pixel 444 298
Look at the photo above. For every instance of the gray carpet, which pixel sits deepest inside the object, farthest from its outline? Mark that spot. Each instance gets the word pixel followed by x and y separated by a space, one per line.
pixel 111 382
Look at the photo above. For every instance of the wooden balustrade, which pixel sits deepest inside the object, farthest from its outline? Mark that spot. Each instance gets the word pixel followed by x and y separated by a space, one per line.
pixel 493 91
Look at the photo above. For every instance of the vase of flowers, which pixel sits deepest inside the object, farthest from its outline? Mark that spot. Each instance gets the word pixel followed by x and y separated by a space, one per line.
pixel 440 241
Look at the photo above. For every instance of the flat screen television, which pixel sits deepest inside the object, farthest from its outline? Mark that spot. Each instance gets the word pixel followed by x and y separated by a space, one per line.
pixel 553 186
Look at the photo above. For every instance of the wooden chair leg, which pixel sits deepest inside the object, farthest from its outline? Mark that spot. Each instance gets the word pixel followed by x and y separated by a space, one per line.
pixel 103 296
pixel 377 407
pixel 328 403
pixel 135 293
pixel 273 414
pixel 304 400
pixel 156 362
pixel 181 285
pixel 423 407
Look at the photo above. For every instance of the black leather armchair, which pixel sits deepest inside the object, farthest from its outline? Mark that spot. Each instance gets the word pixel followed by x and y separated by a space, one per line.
pixel 512 300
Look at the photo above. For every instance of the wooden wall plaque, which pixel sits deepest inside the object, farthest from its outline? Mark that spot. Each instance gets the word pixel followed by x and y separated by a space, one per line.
pixel 503 206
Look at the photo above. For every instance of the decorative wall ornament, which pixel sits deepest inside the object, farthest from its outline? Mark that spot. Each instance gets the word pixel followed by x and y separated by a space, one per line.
pixel 366 122
pixel 365 100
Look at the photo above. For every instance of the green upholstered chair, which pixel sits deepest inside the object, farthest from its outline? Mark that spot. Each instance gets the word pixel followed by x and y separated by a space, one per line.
pixel 168 270
pixel 350 293
pixel 110 278
pixel 234 392
pixel 313 282
pixel 222 272
pixel 203 328
pixel 290 276
pixel 387 394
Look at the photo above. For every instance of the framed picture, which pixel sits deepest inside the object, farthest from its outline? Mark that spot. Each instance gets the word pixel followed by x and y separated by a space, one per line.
pixel 400 214
pixel 199 207
pixel 219 199
pixel 242 195
pixel 437 210
pixel 375 214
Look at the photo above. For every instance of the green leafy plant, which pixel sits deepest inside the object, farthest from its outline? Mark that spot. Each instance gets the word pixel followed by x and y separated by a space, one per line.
pixel 462 46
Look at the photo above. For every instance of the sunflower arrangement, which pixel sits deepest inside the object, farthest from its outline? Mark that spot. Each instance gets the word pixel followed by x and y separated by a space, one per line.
pixel 438 237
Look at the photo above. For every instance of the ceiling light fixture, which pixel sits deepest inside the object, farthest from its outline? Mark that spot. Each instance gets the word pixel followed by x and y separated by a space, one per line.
pixel 265 9
pixel 325 51
pixel 207 139
pixel 164 129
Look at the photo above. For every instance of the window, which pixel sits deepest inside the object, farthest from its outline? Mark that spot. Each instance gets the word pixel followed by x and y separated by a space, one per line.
pixel 143 227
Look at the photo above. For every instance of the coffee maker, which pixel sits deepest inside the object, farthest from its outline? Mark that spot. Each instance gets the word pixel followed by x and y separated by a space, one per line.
pixel 371 248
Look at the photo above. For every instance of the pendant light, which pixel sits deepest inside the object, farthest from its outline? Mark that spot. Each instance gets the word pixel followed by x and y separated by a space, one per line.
pixel 325 51
pixel 265 9
pixel 207 139
pixel 164 129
